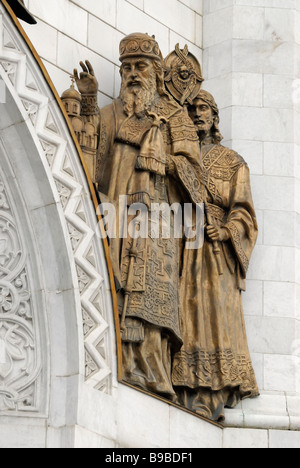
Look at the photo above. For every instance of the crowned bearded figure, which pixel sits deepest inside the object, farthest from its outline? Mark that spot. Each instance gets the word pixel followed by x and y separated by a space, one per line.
pixel 142 135
pixel 213 369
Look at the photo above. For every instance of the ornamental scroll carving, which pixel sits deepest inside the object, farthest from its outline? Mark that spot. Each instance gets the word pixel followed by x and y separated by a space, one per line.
pixel 19 357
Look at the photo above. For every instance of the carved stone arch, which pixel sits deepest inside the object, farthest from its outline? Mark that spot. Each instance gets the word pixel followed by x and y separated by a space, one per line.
pixel 45 192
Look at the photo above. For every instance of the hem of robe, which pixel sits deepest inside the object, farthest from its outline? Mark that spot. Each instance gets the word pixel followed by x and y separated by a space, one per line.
pixel 214 370
pixel 148 364
pixel 211 404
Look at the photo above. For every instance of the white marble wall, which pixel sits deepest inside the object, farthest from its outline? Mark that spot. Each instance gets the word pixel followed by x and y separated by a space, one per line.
pixel 252 65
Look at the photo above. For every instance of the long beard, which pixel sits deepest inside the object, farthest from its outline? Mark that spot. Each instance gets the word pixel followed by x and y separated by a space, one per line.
pixel 138 100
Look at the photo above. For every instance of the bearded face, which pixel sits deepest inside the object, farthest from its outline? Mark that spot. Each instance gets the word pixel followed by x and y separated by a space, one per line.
pixel 202 115
pixel 139 87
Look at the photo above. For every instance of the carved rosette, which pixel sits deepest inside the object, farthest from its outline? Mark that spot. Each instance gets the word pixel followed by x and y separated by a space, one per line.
pixel 19 360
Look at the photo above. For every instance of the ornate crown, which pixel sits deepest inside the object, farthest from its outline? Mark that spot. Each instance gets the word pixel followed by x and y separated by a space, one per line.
pixel 137 44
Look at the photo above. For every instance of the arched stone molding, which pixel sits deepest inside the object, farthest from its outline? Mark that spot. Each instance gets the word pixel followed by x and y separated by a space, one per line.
pixel 48 195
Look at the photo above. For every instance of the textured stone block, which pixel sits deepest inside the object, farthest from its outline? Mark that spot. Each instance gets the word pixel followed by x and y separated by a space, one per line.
pixel 279 228
pixel 279 372
pixel 189 431
pixel 269 335
pixel 279 159
pixel 105 9
pixel 62 15
pixel 253 298
pixel 70 53
pixel 245 438
pixel 196 5
pixel 217 27
pixel 182 19
pixel 248 22
pixel 254 56
pixel 88 439
pixel 44 39
pixel 272 264
pixel 22 436
pixel 104 39
pixel 279 299
pixel 284 439
pixel 279 24
pixel 131 19
pixel 272 193
pixel 133 409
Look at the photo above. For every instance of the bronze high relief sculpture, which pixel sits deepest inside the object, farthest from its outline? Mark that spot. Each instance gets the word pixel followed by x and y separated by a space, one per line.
pixel 158 146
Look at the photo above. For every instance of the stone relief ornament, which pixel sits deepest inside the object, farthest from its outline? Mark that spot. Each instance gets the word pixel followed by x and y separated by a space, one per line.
pixel 49 128
pixel 183 76
pixel 182 327
pixel 20 364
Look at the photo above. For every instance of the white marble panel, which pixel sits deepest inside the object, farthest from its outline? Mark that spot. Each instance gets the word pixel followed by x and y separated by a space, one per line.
pixel 105 9
pixel 273 192
pixel 196 5
pixel 245 438
pixel 270 335
pixel 284 439
pixel 279 372
pixel 248 22
pixel 289 4
pixel 254 56
pixel 279 299
pixel 279 159
pixel 131 19
pixel 70 53
pixel 262 124
pixel 44 39
pixel 272 264
pixel 63 15
pixel 176 15
pixel 253 298
pixel 217 27
pixel 133 409
pixel 62 437
pixel 187 431
pixel 18 436
pixel 63 401
pixel 104 39
pixel 87 439
pixel 279 24
pixel 97 412
pixel 279 91
pixel 247 89
pixel 279 228
pixel 137 3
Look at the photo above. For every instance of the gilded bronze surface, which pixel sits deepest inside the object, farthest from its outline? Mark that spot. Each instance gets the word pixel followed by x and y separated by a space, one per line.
pixel 183 332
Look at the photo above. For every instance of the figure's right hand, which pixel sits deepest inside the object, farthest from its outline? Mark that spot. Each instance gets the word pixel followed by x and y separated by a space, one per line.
pixel 87 82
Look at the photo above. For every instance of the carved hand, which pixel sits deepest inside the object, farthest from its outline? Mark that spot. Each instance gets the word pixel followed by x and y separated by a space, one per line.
pixel 217 234
pixel 87 82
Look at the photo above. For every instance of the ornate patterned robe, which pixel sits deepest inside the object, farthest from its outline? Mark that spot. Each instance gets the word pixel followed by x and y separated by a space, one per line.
pixel 213 369
pixel 128 145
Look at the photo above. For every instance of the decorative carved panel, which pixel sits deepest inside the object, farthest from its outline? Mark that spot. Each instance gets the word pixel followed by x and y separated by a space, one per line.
pixel 19 70
pixel 20 362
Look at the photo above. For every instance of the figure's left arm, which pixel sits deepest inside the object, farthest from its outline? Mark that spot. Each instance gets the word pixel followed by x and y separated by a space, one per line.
pixel 242 223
